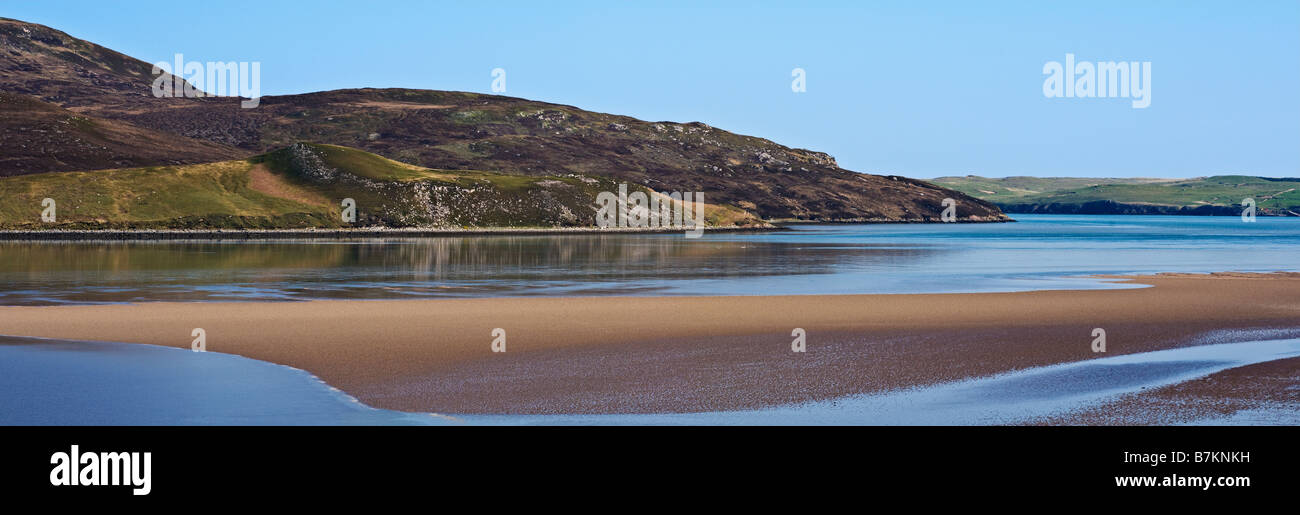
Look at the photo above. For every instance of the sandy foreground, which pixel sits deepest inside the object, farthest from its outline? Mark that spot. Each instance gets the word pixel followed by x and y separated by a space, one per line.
pixel 684 354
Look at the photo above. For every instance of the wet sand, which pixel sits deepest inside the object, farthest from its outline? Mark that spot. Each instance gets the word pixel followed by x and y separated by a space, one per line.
pixel 1263 393
pixel 683 354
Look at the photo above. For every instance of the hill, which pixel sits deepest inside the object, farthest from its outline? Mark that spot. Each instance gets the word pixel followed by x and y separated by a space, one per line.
pixel 1217 195
pixel 302 186
pixel 43 137
pixel 467 131
pixel 1005 188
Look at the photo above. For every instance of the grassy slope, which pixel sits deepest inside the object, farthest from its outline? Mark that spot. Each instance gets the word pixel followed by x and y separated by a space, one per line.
pixel 187 196
pixel 372 166
pixel 1223 190
pixel 387 192
pixel 1013 188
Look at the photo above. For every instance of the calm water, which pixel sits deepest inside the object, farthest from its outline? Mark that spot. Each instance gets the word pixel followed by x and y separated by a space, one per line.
pixel 91 383
pixel 1010 398
pixel 1038 252
pixel 50 382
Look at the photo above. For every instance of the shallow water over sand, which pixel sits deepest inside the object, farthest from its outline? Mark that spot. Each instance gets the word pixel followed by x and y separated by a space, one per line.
pixel 48 382
pixel 51 382
pixel 1009 398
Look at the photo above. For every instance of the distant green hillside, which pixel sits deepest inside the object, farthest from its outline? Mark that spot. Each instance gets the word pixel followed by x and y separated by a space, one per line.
pixel 303 186
pixel 1216 195
pixel 998 189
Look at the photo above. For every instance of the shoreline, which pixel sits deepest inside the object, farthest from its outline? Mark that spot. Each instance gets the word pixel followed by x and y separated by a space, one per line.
pixel 332 234
pixel 1264 393
pixel 680 354
pixel 411 232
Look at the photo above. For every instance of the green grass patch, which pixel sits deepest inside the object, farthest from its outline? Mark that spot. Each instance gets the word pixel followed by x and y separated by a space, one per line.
pixel 1221 190
pixel 215 193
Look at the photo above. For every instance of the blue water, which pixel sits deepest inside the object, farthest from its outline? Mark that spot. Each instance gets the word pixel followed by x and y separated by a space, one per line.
pixel 49 382
pixel 1037 252
pixel 1015 397
pixel 97 383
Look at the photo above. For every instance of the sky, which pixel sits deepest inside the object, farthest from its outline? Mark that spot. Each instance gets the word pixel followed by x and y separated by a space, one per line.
pixel 920 88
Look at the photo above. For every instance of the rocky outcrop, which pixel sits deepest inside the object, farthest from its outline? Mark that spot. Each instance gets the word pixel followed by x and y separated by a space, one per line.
pixel 561 202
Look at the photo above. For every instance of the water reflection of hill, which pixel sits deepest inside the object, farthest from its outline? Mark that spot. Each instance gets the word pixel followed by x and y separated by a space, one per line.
pixel 401 268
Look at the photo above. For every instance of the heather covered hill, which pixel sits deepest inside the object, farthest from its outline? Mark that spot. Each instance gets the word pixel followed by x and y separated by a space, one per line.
pixel 43 137
pixel 467 131
pixel 49 64
pixel 452 130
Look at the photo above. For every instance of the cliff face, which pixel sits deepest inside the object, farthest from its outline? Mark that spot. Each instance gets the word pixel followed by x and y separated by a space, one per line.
pixel 468 131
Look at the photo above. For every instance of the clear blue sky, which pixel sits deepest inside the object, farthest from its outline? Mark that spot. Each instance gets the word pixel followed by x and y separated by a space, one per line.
pixel 915 88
